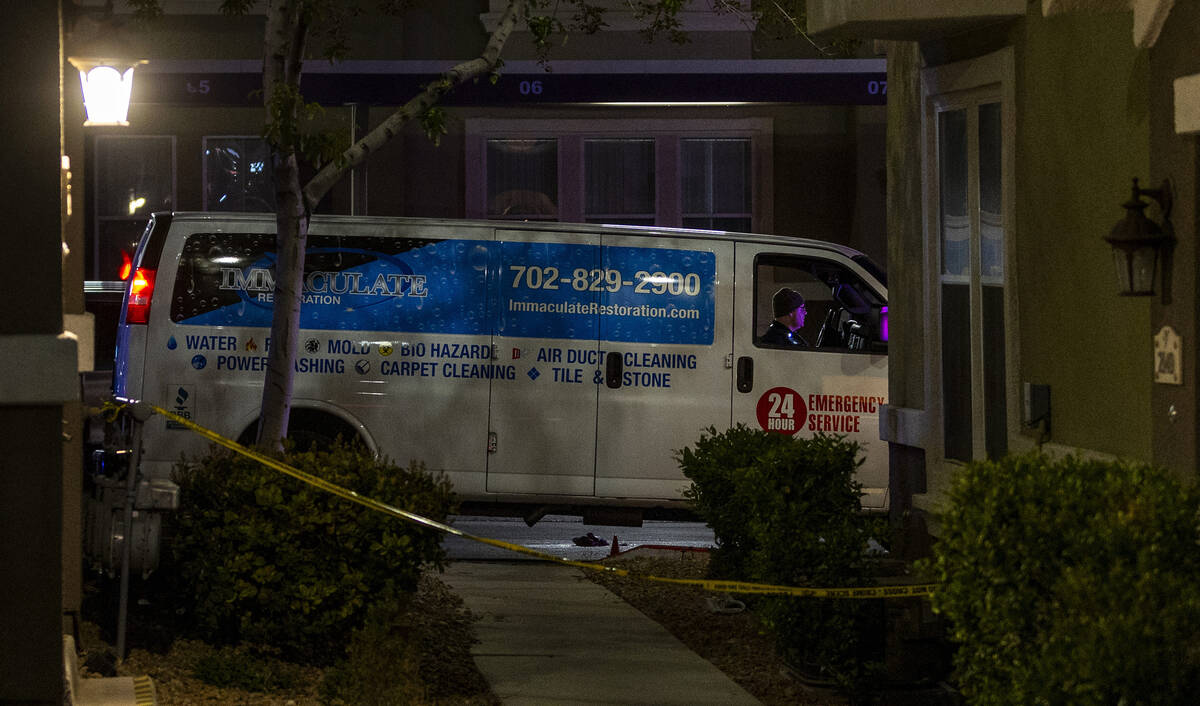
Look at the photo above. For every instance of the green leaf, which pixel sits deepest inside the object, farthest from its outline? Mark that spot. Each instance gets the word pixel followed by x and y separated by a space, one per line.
pixel 268 548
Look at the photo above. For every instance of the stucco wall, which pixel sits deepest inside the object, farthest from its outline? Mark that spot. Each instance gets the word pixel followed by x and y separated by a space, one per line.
pixel 1174 410
pixel 1082 133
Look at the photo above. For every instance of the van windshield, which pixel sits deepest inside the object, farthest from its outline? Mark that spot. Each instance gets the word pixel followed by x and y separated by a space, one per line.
pixel 869 265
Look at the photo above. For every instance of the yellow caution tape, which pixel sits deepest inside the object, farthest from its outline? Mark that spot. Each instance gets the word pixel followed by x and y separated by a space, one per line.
pixel 895 591
pixel 143 691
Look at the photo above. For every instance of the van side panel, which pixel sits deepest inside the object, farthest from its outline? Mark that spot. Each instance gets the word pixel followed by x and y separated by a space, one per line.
pixel 532 363
pixel 395 335
pixel 675 380
pixel 544 418
pixel 180 361
pixel 822 386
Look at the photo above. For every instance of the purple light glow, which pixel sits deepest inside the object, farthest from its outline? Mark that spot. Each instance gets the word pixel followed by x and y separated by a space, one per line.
pixel 883 324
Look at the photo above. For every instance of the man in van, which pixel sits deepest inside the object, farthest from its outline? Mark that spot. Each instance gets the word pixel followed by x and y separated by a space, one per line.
pixel 788 307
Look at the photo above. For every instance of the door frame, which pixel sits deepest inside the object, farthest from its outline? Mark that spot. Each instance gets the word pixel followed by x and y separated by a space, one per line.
pixel 990 78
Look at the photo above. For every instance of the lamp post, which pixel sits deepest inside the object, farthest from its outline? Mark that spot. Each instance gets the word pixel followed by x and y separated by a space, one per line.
pixel 1138 241
pixel 107 85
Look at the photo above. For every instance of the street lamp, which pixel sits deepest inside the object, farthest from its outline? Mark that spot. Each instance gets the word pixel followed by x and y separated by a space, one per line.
pixel 1137 241
pixel 107 84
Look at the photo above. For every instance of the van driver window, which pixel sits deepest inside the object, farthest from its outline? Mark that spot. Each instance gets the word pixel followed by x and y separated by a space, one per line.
pixel 814 304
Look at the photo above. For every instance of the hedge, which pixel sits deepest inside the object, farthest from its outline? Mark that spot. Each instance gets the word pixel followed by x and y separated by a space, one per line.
pixel 260 557
pixel 786 511
pixel 1071 581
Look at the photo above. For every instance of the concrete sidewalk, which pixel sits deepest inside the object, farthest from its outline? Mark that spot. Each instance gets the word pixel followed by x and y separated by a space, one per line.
pixel 550 636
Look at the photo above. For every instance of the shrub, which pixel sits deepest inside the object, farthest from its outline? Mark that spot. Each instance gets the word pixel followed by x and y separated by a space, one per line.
pixel 1071 581
pixel 264 558
pixel 416 650
pixel 382 664
pixel 240 668
pixel 716 468
pixel 786 511
pixel 809 530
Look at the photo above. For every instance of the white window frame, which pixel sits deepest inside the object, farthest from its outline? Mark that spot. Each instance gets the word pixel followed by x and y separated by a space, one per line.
pixel 970 83
pixel 667 134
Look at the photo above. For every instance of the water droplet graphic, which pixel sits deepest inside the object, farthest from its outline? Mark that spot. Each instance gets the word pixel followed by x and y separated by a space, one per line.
pixel 171 344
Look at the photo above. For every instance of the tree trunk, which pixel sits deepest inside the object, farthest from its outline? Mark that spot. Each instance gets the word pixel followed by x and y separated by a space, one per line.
pixel 292 236
pixel 283 52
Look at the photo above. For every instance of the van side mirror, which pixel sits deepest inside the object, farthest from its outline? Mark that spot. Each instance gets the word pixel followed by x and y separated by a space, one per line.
pixel 877 324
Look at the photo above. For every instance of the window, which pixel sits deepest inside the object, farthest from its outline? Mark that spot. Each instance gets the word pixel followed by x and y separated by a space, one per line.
pixel 522 179
pixel 841 313
pixel 967 149
pixel 238 175
pixel 716 184
pixel 133 177
pixel 619 181
pixel 676 173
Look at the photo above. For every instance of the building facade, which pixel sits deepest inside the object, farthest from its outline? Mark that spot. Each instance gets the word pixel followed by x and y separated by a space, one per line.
pixel 1014 130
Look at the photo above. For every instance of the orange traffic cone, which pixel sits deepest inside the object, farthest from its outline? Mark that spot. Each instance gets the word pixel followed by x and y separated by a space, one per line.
pixel 613 551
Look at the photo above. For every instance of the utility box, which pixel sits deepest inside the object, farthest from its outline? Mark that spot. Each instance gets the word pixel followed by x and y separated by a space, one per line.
pixel 104 525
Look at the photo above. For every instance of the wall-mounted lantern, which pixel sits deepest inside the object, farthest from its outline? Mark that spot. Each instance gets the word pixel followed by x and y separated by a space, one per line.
pixel 1137 242
pixel 107 85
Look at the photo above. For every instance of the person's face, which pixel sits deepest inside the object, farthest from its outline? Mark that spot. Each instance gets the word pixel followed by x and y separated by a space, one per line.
pixel 796 318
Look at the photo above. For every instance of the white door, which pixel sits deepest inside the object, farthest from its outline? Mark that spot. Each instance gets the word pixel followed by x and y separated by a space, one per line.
pixel 970 218
pixel 665 333
pixel 543 421
pixel 835 380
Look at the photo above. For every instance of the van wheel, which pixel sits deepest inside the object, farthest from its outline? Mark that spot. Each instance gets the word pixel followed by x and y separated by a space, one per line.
pixel 309 427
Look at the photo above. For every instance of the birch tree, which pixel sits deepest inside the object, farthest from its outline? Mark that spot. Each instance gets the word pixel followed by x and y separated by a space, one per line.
pixel 288 26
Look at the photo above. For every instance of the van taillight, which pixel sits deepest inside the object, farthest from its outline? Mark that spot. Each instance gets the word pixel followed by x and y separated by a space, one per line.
pixel 137 310
pixel 126 266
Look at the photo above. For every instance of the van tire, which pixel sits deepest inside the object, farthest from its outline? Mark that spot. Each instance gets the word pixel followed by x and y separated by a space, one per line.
pixel 307 427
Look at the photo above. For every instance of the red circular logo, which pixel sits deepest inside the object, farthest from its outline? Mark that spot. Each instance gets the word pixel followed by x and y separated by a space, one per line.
pixel 782 410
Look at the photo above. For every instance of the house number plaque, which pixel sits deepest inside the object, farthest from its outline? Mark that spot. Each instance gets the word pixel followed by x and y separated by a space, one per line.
pixel 1168 357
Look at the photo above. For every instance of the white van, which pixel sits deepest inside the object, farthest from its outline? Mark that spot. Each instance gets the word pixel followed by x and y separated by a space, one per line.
pixel 541 366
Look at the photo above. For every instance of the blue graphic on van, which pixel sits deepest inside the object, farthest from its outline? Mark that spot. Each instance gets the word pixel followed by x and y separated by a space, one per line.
pixel 396 285
pixel 635 295
pixel 538 290
pixel 382 277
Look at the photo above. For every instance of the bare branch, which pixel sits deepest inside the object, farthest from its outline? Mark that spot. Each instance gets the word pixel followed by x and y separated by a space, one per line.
pixel 795 23
pixel 329 175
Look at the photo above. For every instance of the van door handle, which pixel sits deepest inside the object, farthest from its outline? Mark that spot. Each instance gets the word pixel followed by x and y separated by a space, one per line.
pixel 745 374
pixel 612 370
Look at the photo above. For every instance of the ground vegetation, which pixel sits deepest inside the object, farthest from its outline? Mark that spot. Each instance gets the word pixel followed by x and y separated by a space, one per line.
pixel 1071 581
